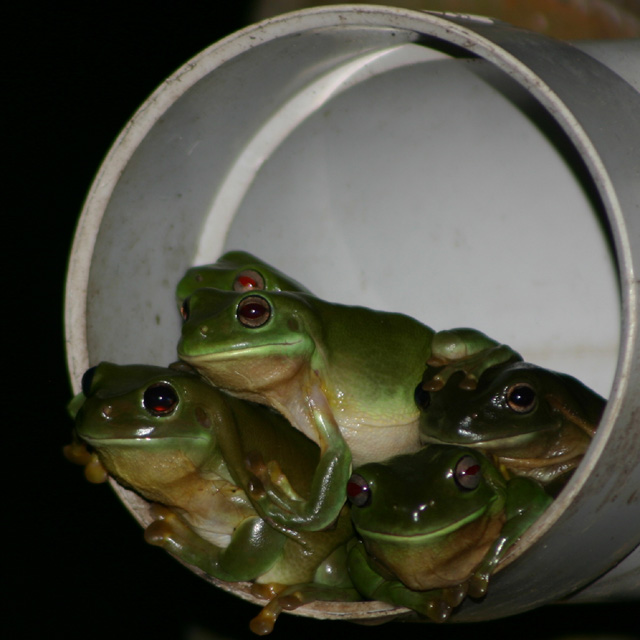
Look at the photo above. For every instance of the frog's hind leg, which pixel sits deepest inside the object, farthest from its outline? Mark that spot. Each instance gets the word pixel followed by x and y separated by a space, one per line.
pixel 295 596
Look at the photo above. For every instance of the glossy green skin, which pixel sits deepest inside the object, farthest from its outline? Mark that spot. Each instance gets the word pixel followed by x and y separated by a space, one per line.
pixel 545 441
pixel 191 461
pixel 427 542
pixel 365 363
pixel 223 274
pixel 343 375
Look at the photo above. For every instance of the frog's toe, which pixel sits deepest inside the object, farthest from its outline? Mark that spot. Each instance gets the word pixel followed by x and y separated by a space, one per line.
pixel 163 529
pixel 266 590
pixel 157 533
pixel 438 610
pixel 77 453
pixel 478 585
pixel 453 596
pixel 263 623
pixel 434 384
pixel 94 471
pixel 255 464
pixel 469 382
pixel 291 601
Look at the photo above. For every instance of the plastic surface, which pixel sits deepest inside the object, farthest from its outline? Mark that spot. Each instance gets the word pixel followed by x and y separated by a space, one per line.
pixel 456 169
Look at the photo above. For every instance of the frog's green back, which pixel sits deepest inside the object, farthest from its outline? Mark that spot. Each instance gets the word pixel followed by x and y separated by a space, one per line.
pixel 380 356
pixel 235 270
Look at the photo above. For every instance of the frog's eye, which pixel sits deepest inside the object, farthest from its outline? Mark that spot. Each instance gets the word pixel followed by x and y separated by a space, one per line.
pixel 185 309
pixel 521 398
pixel 160 399
pixel 87 379
pixel 358 492
pixel 253 311
pixel 467 473
pixel 248 280
pixel 422 397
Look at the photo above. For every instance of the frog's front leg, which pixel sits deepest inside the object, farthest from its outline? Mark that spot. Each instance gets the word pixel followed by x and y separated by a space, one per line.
pixel 253 549
pixel 276 500
pixel 435 604
pixel 464 350
pixel 526 501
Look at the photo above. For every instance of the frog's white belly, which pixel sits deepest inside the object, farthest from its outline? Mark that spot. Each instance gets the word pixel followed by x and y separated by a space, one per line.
pixel 375 443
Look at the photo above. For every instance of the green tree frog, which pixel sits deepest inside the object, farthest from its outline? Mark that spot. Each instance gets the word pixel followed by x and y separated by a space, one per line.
pixel 434 525
pixel 535 422
pixel 343 375
pixel 180 443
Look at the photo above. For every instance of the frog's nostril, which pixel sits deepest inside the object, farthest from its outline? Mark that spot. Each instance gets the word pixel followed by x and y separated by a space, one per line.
pixel 204 330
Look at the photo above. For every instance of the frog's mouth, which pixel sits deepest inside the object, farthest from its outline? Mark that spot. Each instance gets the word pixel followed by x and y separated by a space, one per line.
pixel 100 442
pixel 489 443
pixel 424 538
pixel 235 351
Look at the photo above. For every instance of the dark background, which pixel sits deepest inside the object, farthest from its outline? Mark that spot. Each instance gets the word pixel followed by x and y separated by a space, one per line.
pixel 77 562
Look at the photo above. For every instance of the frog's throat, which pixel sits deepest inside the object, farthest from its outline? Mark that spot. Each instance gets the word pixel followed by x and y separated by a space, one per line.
pixel 485 443
pixel 235 352
pixel 423 538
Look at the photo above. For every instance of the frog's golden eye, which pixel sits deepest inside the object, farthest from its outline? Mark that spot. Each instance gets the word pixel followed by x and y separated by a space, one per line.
pixel 185 309
pixel 248 280
pixel 521 398
pixel 358 491
pixel 87 379
pixel 253 311
pixel 160 399
pixel 422 397
pixel 467 473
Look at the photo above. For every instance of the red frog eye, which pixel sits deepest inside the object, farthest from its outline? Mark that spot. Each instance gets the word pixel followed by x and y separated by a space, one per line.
pixel 253 311
pixel 467 473
pixel 358 491
pixel 160 399
pixel 248 280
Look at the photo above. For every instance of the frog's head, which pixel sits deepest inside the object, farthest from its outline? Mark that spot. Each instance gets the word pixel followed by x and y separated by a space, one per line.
pixel 517 408
pixel 238 338
pixel 429 514
pixel 148 424
pixel 235 271
pixel 421 497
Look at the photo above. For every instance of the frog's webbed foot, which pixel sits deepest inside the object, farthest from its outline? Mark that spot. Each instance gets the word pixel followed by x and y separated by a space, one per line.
pixel 278 502
pixel 292 597
pixel 466 350
pixel 77 453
